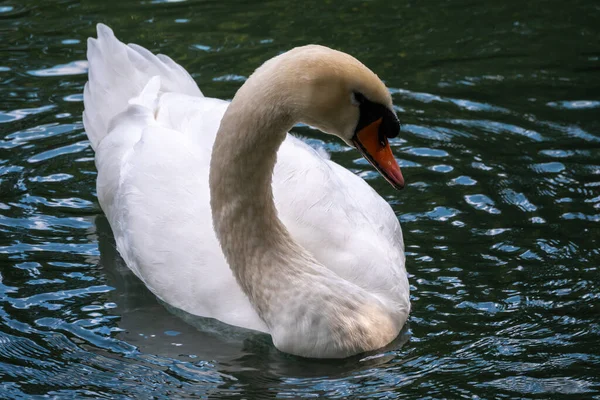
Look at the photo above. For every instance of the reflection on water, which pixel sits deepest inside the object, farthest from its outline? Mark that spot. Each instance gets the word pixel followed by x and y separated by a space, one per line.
pixel 500 147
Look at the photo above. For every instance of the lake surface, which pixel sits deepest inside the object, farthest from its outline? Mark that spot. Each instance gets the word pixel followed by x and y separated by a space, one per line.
pixel 500 148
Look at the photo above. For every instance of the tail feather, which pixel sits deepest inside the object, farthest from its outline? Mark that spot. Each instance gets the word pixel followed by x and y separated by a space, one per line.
pixel 118 73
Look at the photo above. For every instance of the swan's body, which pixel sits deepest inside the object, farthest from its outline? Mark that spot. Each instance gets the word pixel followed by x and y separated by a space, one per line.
pixel 321 269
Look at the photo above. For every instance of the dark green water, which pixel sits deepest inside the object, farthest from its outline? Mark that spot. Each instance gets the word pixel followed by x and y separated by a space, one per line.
pixel 500 147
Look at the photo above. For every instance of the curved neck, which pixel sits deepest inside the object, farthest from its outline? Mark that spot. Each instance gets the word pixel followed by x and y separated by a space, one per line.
pixel 309 310
pixel 244 214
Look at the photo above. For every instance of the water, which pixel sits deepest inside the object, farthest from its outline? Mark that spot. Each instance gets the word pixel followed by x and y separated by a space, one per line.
pixel 500 147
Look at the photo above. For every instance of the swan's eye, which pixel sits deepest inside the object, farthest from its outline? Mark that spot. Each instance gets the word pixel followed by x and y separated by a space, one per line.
pixel 371 112
pixel 358 98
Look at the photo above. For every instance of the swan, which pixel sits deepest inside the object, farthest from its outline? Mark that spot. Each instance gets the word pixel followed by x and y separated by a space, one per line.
pixel 223 214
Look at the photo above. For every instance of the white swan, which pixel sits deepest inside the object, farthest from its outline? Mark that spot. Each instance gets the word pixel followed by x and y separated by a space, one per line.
pixel 321 268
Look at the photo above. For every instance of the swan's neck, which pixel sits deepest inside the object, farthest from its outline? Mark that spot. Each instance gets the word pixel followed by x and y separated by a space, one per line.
pixel 309 310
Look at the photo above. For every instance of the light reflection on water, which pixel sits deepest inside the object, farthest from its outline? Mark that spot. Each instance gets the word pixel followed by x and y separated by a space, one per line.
pixel 499 147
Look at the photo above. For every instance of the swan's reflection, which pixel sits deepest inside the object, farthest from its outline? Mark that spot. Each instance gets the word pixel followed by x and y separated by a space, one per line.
pixel 157 329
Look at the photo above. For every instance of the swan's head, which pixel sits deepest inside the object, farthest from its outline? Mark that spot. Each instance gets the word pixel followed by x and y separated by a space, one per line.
pixel 337 94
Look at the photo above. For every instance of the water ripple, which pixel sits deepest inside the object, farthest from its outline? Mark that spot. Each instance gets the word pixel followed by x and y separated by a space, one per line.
pixel 498 145
pixel 72 68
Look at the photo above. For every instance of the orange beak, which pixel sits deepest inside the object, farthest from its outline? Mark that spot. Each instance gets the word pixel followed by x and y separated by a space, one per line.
pixel 376 149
